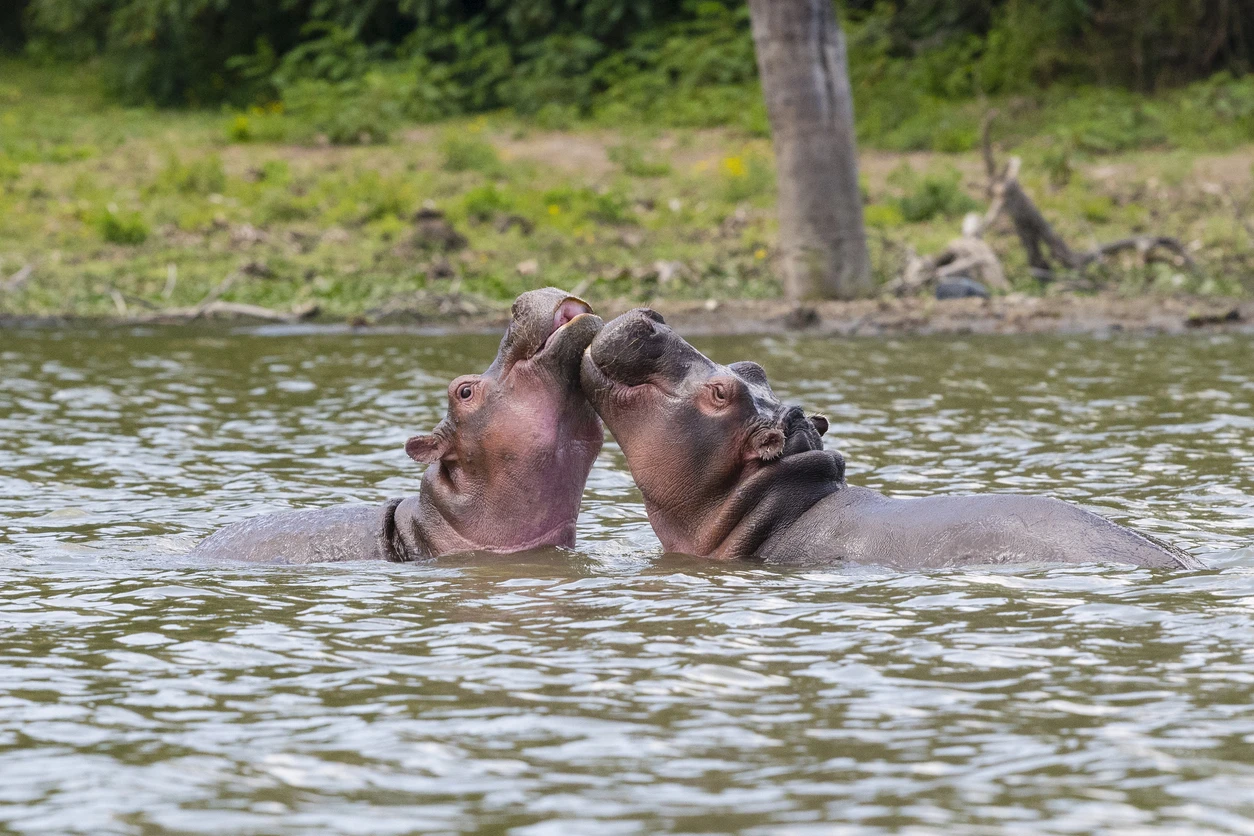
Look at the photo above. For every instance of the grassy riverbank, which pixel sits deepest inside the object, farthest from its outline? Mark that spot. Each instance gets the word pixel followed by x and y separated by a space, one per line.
pixel 109 211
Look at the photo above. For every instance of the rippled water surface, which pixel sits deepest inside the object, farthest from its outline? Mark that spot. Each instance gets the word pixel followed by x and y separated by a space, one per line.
pixel 615 690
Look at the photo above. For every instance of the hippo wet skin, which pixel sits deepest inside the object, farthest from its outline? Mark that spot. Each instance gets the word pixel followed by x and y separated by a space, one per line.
pixel 506 465
pixel 727 472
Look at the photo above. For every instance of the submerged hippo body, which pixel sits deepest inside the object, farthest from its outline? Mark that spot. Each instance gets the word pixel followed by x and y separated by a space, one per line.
pixel 506 465
pixel 727 471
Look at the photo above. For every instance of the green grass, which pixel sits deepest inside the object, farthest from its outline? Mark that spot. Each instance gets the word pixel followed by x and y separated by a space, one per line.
pixel 102 198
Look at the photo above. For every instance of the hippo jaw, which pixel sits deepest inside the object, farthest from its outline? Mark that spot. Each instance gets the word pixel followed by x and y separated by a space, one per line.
pixel 509 461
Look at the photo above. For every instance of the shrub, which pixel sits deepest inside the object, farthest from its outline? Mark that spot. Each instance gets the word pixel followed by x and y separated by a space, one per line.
pixel 930 195
pixel 485 202
pixel 469 154
pixel 355 112
pixel 118 227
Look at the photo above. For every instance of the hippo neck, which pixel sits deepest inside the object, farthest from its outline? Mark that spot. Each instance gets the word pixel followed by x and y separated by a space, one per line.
pixel 536 505
pixel 757 507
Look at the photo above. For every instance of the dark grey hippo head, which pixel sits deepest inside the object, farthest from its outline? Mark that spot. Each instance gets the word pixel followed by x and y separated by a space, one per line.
pixel 688 426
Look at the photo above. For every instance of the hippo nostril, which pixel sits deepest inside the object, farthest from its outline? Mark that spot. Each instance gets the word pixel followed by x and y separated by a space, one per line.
pixel 653 315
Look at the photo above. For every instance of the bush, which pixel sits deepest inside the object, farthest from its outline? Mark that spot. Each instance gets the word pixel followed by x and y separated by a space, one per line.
pixel 118 227
pixel 469 154
pixel 930 195
pixel 355 112
pixel 921 69
pixel 483 203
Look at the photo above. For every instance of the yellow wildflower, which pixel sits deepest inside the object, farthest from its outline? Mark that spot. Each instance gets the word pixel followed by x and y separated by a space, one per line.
pixel 735 166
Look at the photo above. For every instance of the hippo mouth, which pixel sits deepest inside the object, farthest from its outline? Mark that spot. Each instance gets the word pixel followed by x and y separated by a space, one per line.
pixel 566 313
pixel 572 310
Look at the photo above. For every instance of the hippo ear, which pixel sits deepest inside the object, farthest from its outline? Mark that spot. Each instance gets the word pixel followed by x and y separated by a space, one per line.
pixel 766 444
pixel 431 447
pixel 426 448
pixel 820 423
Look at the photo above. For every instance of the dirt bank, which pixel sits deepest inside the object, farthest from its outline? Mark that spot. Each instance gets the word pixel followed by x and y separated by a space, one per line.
pixel 1013 314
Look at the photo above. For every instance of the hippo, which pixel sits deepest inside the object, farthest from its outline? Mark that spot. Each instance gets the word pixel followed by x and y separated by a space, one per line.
pixel 729 472
pixel 506 465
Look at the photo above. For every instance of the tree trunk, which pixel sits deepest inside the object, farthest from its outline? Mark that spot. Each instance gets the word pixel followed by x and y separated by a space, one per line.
pixel 805 78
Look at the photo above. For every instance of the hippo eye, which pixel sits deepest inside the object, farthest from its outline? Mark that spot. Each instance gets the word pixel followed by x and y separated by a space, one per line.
pixel 719 391
pixel 465 392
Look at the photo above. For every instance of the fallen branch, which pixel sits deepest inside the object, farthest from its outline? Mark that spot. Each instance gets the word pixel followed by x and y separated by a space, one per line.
pixel 1047 251
pixel 217 292
pixel 228 309
pixel 1038 236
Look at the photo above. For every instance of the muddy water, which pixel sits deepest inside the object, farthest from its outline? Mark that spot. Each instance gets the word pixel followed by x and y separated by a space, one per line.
pixel 614 690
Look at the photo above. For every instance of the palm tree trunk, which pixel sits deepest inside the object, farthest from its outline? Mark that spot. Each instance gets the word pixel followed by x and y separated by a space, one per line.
pixel 805 78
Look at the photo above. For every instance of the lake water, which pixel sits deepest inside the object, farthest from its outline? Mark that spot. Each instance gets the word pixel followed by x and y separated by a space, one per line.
pixel 615 690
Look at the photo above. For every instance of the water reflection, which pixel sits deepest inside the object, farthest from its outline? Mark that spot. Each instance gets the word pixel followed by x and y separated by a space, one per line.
pixel 615 689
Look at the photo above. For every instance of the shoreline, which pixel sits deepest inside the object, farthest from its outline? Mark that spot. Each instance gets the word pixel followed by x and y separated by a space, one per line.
pixel 1007 315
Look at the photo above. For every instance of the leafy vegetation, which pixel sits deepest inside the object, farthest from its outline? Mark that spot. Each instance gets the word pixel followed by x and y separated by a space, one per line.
pixel 344 72
pixel 155 207
pixel 349 154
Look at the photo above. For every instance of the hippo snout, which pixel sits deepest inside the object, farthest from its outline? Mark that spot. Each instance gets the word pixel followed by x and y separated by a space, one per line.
pixel 630 348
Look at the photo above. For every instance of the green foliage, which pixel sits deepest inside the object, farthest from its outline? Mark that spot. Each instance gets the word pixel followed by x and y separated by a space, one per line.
pixel 369 196
pixel 202 176
pixel 354 112
pixel 10 169
pixel 883 216
pixel 746 177
pixel 610 206
pixel 121 227
pixel 284 206
pixel 572 207
pixel 635 162
pixel 930 195
pixel 485 202
pixel 1097 209
pixel 462 153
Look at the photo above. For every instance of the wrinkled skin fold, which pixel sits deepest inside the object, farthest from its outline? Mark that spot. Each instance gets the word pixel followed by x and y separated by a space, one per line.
pixel 506 466
pixel 729 472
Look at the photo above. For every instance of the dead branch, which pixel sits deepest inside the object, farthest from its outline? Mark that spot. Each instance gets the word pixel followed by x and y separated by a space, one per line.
pixel 210 306
pixel 217 292
pixel 228 309
pixel 986 144
pixel 1047 251
pixel 1039 237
